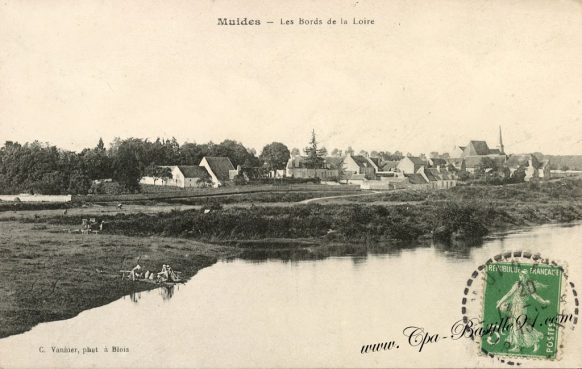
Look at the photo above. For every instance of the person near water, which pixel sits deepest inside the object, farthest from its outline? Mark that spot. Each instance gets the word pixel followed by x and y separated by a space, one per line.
pixel 135 273
pixel 163 275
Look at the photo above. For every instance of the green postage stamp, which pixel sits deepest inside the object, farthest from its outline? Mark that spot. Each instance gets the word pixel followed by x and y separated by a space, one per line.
pixel 521 309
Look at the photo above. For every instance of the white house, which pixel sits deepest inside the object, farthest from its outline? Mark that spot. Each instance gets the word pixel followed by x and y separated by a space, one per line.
pixel 410 164
pixel 182 176
pixel 218 167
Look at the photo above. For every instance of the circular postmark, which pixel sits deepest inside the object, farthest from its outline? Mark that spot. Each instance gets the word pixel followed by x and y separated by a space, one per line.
pixel 518 306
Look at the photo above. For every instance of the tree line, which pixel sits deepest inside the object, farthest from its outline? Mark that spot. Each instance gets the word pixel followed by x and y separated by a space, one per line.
pixel 46 169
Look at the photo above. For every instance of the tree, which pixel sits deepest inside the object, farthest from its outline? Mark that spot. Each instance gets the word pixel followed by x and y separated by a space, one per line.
pixel 336 152
pixel 158 172
pixel 314 155
pixel 79 183
pixel 126 164
pixel 235 151
pixel 350 151
pixel 275 155
pixel 96 163
pixel 363 153
pixel 100 145
pixel 295 152
pixel 191 154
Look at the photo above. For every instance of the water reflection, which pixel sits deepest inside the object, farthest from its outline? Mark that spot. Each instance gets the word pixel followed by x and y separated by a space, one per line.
pixel 167 292
pixel 135 297
pixel 358 251
pixel 457 249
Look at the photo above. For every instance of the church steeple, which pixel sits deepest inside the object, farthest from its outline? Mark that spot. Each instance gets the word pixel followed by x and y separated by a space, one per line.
pixel 501 148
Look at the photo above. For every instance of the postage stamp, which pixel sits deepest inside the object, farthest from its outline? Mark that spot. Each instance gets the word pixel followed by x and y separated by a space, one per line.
pixel 521 309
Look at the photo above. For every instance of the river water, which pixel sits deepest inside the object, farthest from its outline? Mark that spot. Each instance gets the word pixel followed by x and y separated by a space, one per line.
pixel 296 313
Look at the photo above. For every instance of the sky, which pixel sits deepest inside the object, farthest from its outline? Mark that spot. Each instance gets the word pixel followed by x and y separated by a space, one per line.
pixel 427 75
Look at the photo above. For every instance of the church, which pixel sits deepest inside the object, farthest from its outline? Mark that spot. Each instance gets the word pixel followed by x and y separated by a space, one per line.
pixel 470 156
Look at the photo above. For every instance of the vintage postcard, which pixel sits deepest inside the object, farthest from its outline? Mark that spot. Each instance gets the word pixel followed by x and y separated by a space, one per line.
pixel 290 184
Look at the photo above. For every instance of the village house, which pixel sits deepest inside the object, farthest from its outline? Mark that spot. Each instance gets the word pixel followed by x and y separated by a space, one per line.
pixel 411 172
pixel 249 174
pixel 388 166
pixel 296 168
pixel 437 163
pixel 457 163
pixel 360 165
pixel 410 164
pixel 218 167
pixel 437 178
pixel 533 167
pixel 182 176
pixel 472 163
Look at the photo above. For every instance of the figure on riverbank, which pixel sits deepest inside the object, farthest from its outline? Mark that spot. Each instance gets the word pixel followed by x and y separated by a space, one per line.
pixel 163 275
pixel 135 273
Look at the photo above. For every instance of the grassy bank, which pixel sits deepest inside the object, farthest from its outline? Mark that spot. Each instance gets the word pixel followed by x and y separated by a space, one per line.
pixel 354 222
pixel 49 275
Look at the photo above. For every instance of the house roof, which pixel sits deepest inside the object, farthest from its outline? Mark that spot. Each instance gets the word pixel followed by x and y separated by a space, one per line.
pixel 435 173
pixel 429 175
pixel 376 161
pixel 361 161
pixel 334 162
pixel 220 165
pixel 438 161
pixel 477 148
pixel 193 171
pixel 415 178
pixel 494 151
pixel 387 165
pixel 416 160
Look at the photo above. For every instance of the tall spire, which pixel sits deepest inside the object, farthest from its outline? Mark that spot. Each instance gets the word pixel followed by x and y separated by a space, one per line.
pixel 501 149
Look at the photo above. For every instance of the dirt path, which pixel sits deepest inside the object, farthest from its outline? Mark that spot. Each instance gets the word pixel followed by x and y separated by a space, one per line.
pixel 318 199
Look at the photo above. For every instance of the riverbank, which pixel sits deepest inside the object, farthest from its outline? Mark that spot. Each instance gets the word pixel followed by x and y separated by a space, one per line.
pixel 49 273
pixel 355 222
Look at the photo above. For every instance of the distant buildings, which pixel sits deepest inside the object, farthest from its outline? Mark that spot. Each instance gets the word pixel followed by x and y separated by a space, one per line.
pixel 471 157
pixel 297 167
pixel 533 167
pixel 361 166
pixel 212 171
pixel 368 172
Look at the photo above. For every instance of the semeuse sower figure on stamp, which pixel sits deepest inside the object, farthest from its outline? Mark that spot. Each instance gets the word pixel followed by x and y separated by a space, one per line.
pixel 514 302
